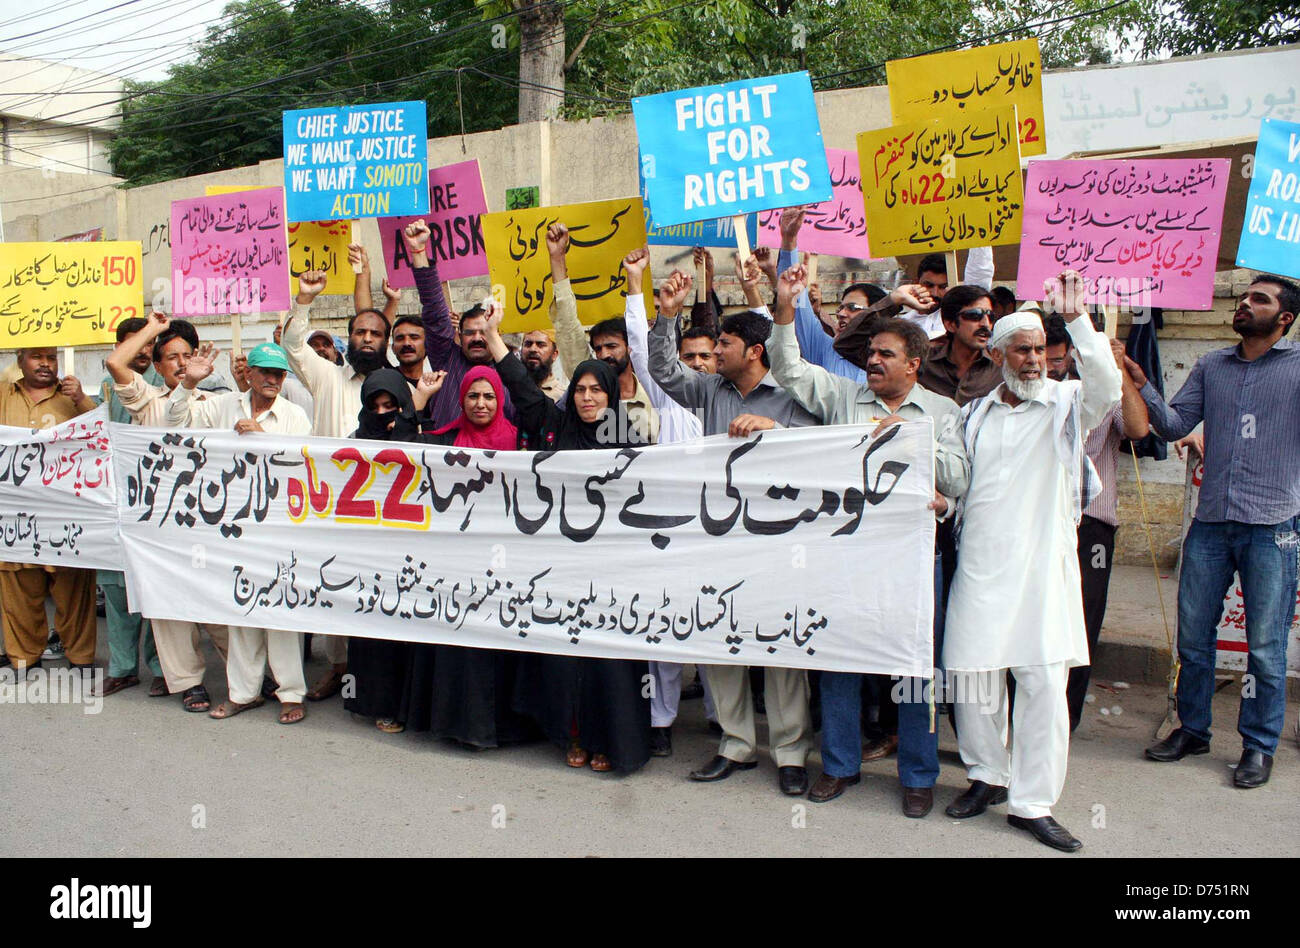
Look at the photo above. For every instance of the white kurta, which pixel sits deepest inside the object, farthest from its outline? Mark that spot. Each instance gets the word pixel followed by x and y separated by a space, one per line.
pixel 1016 598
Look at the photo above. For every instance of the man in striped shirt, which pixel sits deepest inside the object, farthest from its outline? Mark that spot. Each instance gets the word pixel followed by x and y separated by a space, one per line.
pixel 1246 520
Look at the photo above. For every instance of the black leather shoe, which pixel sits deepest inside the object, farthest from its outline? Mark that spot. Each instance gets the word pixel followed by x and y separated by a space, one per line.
pixel 661 742
pixel 1177 746
pixel 917 802
pixel 827 788
pixel 978 797
pixel 693 691
pixel 793 781
pixel 1048 832
pixel 720 768
pixel 1252 770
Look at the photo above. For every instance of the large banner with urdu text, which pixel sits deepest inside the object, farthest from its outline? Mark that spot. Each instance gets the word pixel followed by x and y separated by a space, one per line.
pixel 717 551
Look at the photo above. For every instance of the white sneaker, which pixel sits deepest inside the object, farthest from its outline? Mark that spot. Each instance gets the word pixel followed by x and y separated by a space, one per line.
pixel 53 648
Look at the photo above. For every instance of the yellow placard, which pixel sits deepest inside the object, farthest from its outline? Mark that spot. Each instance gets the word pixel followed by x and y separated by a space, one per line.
pixel 68 294
pixel 313 245
pixel 972 80
pixel 949 184
pixel 601 234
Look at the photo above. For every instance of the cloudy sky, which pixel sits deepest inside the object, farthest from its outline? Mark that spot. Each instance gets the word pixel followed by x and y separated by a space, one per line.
pixel 136 39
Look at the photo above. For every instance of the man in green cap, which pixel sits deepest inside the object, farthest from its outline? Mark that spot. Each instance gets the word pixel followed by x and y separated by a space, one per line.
pixel 259 409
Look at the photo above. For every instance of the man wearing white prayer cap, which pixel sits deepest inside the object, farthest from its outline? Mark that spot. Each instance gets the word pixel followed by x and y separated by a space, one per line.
pixel 1016 602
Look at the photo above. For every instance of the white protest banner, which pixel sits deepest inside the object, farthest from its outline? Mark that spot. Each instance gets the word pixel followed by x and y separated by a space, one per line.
pixel 720 551
pixel 57 502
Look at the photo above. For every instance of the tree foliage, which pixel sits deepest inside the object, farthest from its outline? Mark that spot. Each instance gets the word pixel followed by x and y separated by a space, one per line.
pixel 1206 26
pixel 222 110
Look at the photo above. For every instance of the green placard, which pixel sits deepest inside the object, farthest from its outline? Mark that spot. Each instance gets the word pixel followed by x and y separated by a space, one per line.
pixel 519 198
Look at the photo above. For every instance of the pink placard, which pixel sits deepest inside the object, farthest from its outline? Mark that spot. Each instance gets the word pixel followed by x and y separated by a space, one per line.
pixel 456 204
pixel 837 226
pixel 1143 232
pixel 230 254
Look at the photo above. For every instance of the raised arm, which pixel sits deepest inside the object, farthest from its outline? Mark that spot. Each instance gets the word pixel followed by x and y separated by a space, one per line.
pixel 680 383
pixel 1136 422
pixel 439 335
pixel 533 409
pixel 1097 369
pixel 569 337
pixel 316 373
pixel 119 360
pixel 360 262
pixel 813 387
pixel 638 330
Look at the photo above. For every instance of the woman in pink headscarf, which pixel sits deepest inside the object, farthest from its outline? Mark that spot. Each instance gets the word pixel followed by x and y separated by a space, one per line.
pixel 465 693
pixel 482 423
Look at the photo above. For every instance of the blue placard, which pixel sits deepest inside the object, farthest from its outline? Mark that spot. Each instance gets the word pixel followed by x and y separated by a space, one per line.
pixel 720 232
pixel 718 151
pixel 1270 231
pixel 356 161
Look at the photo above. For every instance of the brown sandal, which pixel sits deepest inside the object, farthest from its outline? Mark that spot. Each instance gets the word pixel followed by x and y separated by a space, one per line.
pixel 112 685
pixel 158 687
pixel 228 709
pixel 291 712
pixel 600 763
pixel 390 726
pixel 327 687
pixel 577 757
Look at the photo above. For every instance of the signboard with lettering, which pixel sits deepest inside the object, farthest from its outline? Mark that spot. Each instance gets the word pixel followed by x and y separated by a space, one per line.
pixel 68 294
pixel 601 234
pixel 950 184
pixel 230 254
pixel 456 208
pixel 1142 232
pixel 719 151
pixel 356 161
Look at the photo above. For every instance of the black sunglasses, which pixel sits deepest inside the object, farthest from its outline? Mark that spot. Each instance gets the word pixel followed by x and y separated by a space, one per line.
pixel 853 307
pixel 975 315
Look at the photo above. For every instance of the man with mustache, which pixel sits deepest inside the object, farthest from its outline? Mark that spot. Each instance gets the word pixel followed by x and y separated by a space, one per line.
pixel 450 350
pixel 336 399
pixel 609 341
pixel 408 348
pixel 172 343
pixel 1096 548
pixel 958 366
pixel 40 399
pixel 259 409
pixel 890 395
pixel 538 356
pixel 742 398
pixel 1016 602
pixel 1246 520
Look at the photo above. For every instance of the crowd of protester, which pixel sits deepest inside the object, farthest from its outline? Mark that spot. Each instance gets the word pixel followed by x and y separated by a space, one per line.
pixel 1030 406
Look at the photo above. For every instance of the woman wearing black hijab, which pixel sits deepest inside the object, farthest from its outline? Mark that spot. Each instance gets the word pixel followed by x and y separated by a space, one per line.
pixel 594 707
pixel 381 667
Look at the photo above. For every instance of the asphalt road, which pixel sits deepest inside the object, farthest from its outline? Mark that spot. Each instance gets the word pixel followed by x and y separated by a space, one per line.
pixel 144 778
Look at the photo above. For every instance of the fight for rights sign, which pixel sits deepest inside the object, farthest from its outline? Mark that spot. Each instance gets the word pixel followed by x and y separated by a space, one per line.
pixel 719 151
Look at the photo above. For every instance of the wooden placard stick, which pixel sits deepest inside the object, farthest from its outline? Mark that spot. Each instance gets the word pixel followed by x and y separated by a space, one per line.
pixel 810 261
pixel 1111 316
pixel 352 239
pixel 701 279
pixel 953 276
pixel 742 237
pixel 236 343
pixel 67 364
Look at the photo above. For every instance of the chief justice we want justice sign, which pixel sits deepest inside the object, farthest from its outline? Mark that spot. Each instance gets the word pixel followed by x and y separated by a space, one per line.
pixel 719 151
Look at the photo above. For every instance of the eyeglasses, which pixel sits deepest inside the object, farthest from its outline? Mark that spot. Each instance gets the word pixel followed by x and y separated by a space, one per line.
pixel 976 315
pixel 853 307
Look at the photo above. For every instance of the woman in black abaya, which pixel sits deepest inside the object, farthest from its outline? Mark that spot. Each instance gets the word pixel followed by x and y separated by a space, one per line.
pixel 593 707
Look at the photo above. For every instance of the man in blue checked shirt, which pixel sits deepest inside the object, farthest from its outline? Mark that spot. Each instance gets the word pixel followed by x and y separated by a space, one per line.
pixel 1246 520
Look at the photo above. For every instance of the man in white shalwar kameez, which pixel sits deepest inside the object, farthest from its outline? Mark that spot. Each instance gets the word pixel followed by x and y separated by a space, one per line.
pixel 1016 602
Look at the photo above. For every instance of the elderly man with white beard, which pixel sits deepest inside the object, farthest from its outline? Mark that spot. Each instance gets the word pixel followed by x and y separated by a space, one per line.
pixel 1016 602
